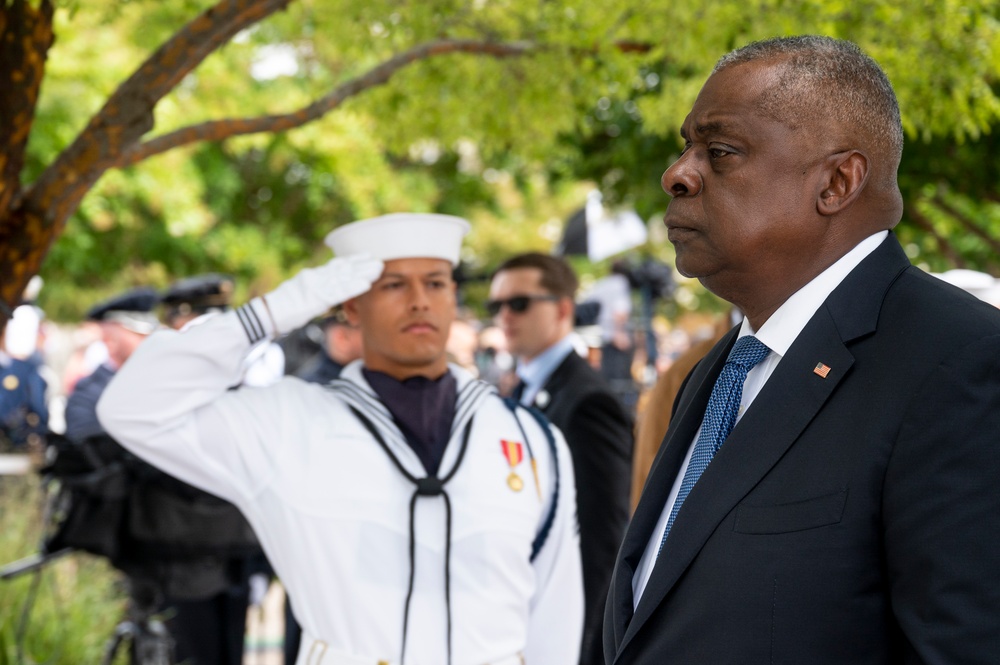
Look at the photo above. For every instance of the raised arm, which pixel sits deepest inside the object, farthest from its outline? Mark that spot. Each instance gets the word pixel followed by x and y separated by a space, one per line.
pixel 171 402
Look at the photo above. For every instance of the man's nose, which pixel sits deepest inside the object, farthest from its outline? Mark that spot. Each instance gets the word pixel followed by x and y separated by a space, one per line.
pixel 420 299
pixel 682 178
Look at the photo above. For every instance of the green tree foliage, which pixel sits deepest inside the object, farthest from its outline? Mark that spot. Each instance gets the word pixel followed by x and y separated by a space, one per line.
pixel 943 58
pixel 530 100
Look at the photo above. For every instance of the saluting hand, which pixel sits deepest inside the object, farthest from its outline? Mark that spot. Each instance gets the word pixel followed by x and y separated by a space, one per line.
pixel 315 290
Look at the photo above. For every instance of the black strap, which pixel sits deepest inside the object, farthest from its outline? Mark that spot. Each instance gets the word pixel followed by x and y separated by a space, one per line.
pixel 428 486
pixel 543 422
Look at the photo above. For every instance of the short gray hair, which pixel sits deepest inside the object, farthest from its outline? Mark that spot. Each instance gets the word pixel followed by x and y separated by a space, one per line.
pixel 827 77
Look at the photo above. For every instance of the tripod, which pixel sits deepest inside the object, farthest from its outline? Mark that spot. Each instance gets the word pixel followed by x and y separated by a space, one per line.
pixel 149 642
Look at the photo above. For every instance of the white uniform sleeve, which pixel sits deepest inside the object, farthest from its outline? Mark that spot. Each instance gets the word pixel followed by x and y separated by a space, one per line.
pixel 171 404
pixel 555 627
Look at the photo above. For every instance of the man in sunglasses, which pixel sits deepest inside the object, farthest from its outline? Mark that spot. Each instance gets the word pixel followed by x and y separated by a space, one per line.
pixel 414 517
pixel 531 299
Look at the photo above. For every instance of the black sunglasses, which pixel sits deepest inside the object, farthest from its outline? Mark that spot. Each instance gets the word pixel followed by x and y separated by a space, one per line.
pixel 517 304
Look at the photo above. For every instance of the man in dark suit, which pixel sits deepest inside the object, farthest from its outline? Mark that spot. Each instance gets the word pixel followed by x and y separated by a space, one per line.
pixel 851 516
pixel 531 297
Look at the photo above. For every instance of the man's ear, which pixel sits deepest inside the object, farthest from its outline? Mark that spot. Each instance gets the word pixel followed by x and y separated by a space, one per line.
pixel 351 311
pixel 845 176
pixel 566 308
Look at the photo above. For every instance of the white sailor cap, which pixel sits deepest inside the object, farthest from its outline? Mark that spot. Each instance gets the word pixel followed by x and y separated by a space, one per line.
pixel 405 235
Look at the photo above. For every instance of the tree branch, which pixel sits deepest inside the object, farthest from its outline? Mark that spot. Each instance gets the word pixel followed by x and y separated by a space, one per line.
pixel 969 224
pixel 128 113
pixel 924 224
pixel 218 130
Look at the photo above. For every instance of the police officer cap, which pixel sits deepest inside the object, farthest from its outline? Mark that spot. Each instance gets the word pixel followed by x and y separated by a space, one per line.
pixel 407 235
pixel 198 294
pixel 133 310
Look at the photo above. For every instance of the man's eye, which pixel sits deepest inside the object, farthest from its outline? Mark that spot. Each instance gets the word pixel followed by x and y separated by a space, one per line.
pixel 436 284
pixel 716 152
pixel 392 285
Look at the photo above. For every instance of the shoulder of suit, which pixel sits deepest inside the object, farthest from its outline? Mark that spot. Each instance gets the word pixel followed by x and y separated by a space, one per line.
pixel 924 301
pixel 576 368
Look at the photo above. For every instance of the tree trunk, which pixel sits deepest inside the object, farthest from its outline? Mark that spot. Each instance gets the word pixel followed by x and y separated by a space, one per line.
pixel 25 38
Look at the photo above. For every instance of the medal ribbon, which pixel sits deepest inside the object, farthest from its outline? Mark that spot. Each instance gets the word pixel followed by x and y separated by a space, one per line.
pixel 513 451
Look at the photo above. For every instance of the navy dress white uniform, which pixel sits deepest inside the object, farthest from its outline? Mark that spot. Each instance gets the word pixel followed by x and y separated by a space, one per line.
pixel 380 567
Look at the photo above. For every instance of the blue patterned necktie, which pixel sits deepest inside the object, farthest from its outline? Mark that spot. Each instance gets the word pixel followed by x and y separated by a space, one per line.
pixel 720 415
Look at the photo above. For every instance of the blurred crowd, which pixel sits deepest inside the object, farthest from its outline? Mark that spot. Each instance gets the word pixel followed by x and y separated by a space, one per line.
pixel 53 375
pixel 42 360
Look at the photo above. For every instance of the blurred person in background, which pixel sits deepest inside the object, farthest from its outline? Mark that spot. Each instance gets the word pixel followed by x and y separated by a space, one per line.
pixel 531 300
pixel 24 408
pixel 613 295
pixel 186 553
pixel 656 405
pixel 125 321
pixel 495 363
pixel 463 341
pixel 341 345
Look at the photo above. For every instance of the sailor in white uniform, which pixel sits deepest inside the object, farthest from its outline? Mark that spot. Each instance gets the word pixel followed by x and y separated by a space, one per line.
pixel 413 515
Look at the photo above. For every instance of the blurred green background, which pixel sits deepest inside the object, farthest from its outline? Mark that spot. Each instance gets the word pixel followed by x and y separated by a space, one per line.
pixel 514 144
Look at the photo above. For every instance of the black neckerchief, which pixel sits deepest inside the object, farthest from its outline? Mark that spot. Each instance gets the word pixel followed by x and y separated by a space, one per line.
pixel 423 410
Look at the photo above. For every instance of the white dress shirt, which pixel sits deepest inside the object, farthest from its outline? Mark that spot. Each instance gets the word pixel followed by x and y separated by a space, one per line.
pixel 778 333
pixel 536 372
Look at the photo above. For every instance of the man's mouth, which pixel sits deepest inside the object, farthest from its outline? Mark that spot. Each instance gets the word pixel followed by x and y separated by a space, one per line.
pixel 420 327
pixel 678 229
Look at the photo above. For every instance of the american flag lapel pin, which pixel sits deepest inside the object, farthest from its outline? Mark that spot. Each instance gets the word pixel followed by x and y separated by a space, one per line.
pixel 821 370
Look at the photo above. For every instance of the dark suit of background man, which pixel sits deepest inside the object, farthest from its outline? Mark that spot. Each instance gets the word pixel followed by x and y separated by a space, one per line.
pixel 852 514
pixel 531 296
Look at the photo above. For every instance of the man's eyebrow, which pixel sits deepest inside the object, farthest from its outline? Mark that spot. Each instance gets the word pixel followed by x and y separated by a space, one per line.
pixel 712 127
pixel 709 127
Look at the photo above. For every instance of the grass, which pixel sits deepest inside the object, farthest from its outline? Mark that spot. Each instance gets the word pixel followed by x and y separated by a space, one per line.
pixel 77 600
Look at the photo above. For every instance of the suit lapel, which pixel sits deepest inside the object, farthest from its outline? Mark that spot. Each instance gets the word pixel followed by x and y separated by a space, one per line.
pixel 556 385
pixel 785 406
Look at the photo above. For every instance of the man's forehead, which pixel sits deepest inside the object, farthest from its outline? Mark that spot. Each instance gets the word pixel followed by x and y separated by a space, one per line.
pixel 519 277
pixel 730 100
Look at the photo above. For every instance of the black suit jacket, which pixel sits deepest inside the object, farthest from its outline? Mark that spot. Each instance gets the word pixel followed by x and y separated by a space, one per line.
pixel 599 433
pixel 850 519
